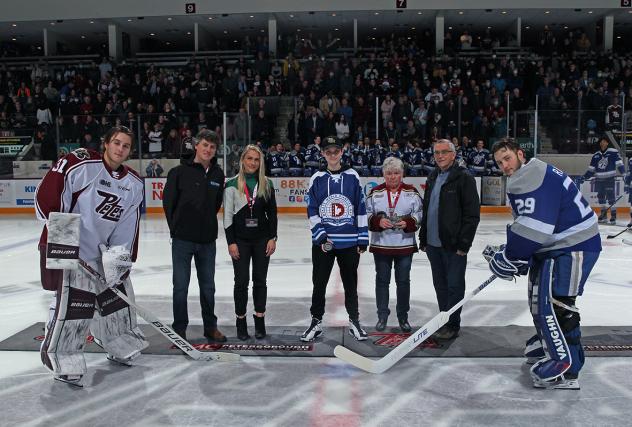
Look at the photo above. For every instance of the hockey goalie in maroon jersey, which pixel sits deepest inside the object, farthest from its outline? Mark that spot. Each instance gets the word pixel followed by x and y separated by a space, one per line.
pixel 107 195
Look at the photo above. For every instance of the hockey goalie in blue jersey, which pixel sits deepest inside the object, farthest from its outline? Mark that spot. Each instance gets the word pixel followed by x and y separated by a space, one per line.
pixel 605 164
pixel 555 238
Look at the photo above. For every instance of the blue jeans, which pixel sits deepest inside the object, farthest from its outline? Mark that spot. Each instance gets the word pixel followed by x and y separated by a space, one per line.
pixel 383 265
pixel 448 276
pixel 204 255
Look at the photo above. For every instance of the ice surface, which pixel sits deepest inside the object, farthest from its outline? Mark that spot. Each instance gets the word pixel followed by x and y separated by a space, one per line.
pixel 171 390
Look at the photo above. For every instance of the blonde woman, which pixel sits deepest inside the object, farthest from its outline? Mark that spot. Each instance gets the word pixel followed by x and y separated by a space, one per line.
pixel 250 221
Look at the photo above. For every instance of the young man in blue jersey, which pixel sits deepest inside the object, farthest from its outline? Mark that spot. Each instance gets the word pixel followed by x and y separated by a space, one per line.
pixel 337 216
pixel 605 164
pixel 555 238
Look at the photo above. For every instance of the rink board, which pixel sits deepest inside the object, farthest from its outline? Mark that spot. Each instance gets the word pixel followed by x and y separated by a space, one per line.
pixel 478 341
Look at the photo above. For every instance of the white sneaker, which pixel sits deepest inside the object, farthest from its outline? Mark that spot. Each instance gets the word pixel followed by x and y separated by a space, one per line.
pixel 356 331
pixel 74 380
pixel 313 332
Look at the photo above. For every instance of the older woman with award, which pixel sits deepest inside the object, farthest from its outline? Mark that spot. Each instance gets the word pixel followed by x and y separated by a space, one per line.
pixel 394 212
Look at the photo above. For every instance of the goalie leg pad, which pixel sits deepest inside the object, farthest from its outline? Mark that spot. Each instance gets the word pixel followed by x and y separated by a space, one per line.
pixel 533 350
pixel 117 330
pixel 62 348
pixel 544 317
pixel 559 279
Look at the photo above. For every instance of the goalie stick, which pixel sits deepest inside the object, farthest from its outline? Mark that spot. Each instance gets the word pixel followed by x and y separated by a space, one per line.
pixel 165 330
pixel 395 355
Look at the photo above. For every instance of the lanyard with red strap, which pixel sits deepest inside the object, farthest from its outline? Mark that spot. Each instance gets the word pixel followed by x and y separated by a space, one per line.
pixel 393 204
pixel 249 200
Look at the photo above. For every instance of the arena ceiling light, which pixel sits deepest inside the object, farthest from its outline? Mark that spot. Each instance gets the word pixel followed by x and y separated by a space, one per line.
pixel 152 34
pixel 547 12
pixel 291 16
pixel 92 22
pixel 14 25
pixel 169 18
pixel 419 13
pixel 376 13
pixel 461 12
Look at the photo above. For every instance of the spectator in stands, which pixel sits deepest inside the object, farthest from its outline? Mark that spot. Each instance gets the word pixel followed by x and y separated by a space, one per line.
pixel 261 128
pixel 342 128
pixel 155 141
pixel 386 108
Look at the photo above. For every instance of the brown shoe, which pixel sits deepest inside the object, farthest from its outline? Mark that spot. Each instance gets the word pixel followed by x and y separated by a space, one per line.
pixel 446 334
pixel 215 335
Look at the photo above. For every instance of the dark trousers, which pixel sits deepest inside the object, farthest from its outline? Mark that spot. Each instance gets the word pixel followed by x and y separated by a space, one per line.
pixel 182 251
pixel 448 276
pixel 383 265
pixel 323 262
pixel 255 251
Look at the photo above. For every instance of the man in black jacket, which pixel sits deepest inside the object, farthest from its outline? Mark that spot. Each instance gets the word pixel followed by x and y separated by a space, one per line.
pixel 451 213
pixel 191 199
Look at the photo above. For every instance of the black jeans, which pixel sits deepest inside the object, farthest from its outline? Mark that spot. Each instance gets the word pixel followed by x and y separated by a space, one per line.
pixel 322 264
pixel 448 276
pixel 383 265
pixel 255 250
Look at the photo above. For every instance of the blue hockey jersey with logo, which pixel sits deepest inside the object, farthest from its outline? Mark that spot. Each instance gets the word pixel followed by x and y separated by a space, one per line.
pixel 336 209
pixel 605 164
pixel 550 213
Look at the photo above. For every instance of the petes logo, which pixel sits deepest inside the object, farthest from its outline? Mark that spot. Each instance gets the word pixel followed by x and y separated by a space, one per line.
pixel 336 210
pixel 391 340
pixel 81 153
pixel 109 208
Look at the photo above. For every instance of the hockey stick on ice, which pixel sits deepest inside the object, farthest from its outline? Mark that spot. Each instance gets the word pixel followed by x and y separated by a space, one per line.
pixel 165 330
pixel 612 236
pixel 613 203
pixel 395 355
pixel 627 242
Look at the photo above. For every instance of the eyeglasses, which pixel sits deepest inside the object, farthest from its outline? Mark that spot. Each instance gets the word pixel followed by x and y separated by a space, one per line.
pixel 443 152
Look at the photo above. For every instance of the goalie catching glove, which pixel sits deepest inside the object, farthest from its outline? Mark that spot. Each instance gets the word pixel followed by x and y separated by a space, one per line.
pixel 502 266
pixel 117 262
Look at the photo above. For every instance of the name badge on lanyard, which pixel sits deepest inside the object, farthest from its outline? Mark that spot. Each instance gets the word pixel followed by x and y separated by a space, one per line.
pixel 251 222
